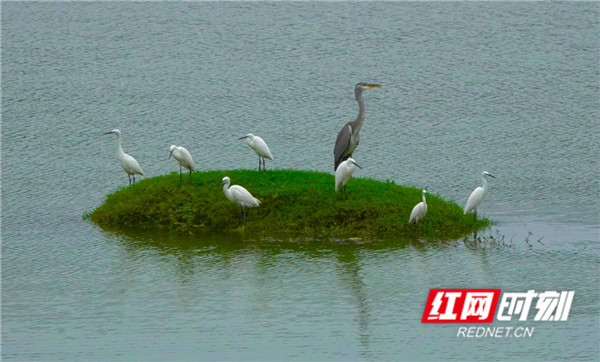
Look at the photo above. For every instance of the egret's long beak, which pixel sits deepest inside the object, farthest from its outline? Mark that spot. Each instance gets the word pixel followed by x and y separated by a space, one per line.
pixel 170 153
pixel 241 138
pixel 372 86
pixel 357 165
pixel 222 182
pixel 490 175
pixel 108 132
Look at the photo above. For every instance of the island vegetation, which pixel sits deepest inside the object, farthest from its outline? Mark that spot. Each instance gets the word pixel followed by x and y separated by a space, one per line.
pixel 294 204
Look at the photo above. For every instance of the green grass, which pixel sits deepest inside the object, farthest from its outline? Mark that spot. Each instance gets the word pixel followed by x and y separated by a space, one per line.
pixel 293 204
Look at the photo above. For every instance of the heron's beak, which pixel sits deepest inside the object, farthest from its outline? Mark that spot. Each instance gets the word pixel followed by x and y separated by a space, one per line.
pixel 108 132
pixel 357 165
pixel 490 175
pixel 241 138
pixel 222 182
pixel 372 86
pixel 170 153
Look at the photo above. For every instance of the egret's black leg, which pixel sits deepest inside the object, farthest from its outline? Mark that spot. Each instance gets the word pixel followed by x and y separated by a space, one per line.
pixel 258 163
pixel 128 175
pixel 475 215
pixel 133 179
pixel 180 175
pixel 264 168
pixel 190 177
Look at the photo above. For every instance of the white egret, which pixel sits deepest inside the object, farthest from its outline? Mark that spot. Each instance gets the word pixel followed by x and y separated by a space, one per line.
pixel 240 195
pixel 129 164
pixel 344 173
pixel 419 211
pixel 260 147
pixel 478 195
pixel 184 158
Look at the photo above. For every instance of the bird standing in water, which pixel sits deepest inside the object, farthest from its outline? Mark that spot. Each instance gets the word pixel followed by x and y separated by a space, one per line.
pixel 478 195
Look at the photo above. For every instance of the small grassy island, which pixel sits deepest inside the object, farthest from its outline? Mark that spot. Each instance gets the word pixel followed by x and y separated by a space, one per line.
pixel 293 204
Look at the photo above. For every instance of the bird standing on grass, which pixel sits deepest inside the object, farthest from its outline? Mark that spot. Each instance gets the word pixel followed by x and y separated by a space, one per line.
pixel 348 138
pixel 240 195
pixel 184 158
pixel 129 164
pixel 477 195
pixel 260 147
pixel 344 173
pixel 419 211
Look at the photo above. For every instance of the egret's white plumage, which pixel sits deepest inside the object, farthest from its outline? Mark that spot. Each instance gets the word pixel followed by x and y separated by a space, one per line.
pixel 419 211
pixel 239 195
pixel 260 147
pixel 477 196
pixel 129 164
pixel 184 158
pixel 344 173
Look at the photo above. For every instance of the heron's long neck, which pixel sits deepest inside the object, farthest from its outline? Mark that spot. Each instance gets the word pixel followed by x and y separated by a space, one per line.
pixel 226 191
pixel 358 122
pixel 425 202
pixel 119 148
pixel 485 185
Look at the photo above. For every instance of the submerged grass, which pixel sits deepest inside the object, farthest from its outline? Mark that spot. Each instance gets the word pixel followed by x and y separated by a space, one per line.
pixel 293 203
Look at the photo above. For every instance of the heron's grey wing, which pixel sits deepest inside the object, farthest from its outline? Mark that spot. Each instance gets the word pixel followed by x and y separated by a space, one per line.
pixel 341 145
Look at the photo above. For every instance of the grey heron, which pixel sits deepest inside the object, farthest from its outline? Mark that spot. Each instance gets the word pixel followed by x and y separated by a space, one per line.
pixel 128 163
pixel 347 138
pixel 478 195
pixel 184 158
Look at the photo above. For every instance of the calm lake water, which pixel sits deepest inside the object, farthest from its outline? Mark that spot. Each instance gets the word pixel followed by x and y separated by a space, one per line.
pixel 512 88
